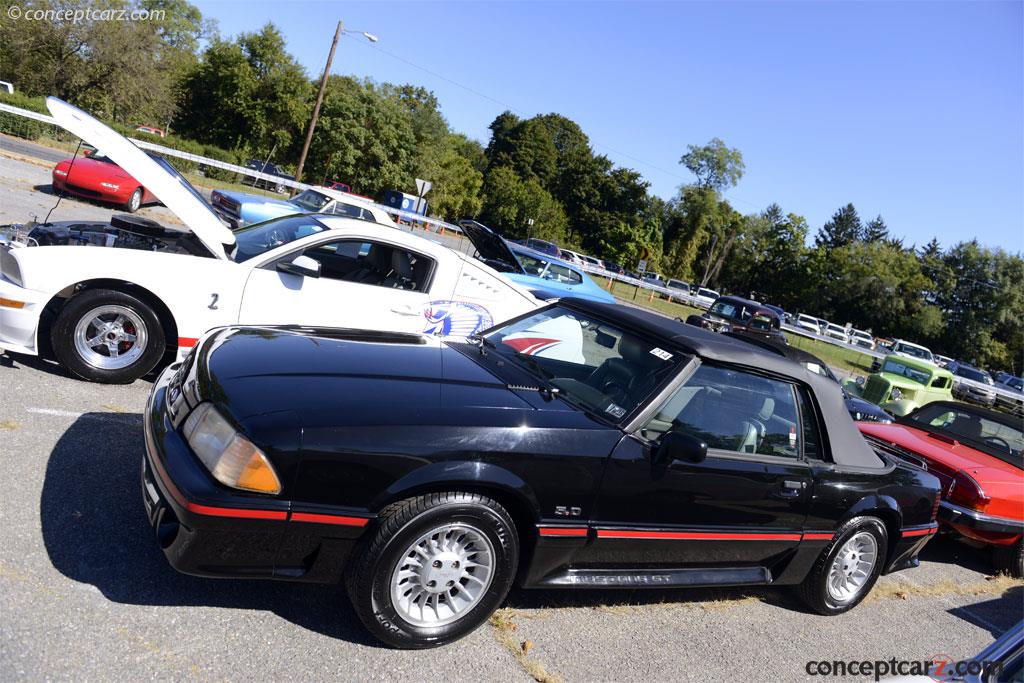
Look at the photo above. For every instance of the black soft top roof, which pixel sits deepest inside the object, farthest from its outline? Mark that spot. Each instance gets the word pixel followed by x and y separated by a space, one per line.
pixel 847 444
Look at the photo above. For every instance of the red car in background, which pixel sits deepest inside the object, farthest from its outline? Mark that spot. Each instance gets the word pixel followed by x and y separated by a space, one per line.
pixel 977 455
pixel 94 176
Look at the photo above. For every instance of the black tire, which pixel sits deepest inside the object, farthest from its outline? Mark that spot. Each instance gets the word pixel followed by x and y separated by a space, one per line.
pixel 134 201
pixel 1010 559
pixel 62 336
pixel 814 589
pixel 368 578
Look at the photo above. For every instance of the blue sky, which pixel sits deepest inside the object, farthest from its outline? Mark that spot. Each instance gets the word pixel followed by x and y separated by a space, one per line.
pixel 911 110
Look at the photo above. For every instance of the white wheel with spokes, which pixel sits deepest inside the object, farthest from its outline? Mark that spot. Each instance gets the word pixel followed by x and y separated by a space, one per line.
pixel 852 566
pixel 106 335
pixel 433 568
pixel 848 567
pixel 442 575
pixel 111 337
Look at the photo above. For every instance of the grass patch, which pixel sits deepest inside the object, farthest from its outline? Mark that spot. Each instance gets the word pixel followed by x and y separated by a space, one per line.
pixel 991 586
pixel 504 631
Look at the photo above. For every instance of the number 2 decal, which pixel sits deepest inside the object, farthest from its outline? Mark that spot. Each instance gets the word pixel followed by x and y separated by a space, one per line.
pixel 213 303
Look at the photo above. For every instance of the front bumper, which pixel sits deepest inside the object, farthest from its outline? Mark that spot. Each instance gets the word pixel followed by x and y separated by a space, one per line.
pixel 206 529
pixel 979 526
pixel 18 326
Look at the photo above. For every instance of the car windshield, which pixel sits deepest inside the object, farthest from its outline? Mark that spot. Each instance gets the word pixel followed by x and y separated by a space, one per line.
pixel 676 284
pixel 311 200
pixel 894 367
pixel 915 351
pixel 963 424
pixel 707 292
pixel 832 327
pixel 1015 382
pixel 975 374
pixel 593 365
pixel 727 309
pixel 262 237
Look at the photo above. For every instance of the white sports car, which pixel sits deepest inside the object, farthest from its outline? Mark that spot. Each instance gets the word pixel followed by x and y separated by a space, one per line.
pixel 111 312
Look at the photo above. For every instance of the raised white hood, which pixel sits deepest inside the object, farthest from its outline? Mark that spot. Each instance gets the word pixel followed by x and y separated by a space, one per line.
pixel 193 211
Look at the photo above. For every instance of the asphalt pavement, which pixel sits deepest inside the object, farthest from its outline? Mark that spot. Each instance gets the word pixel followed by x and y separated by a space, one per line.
pixel 86 594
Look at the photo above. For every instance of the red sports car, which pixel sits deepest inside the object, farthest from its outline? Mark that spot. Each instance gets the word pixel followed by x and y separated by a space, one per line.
pixel 977 455
pixel 94 176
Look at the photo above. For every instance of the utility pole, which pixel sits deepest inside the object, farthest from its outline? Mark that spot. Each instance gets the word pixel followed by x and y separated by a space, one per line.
pixel 316 107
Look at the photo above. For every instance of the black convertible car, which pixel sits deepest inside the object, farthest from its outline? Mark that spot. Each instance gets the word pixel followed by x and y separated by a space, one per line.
pixel 580 445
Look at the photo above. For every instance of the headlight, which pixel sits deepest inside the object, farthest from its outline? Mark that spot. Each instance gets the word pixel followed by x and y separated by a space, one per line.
pixel 896 394
pixel 230 457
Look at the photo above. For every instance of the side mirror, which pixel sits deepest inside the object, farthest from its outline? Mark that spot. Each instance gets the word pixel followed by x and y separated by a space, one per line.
pixel 300 265
pixel 680 446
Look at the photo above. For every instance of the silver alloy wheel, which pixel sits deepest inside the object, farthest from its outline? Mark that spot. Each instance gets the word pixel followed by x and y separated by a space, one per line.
pixel 111 337
pixel 442 575
pixel 135 201
pixel 852 567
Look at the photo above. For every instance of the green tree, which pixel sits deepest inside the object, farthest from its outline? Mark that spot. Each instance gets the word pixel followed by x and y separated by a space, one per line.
pixel 248 93
pixel 716 166
pixel 364 138
pixel 876 230
pixel 843 229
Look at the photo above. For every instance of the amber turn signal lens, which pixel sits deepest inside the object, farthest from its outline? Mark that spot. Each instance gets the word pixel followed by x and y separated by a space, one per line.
pixel 11 303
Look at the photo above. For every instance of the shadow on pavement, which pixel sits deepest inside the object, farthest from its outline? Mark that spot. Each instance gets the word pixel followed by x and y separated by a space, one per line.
pixel 996 615
pixel 946 549
pixel 52 367
pixel 95 532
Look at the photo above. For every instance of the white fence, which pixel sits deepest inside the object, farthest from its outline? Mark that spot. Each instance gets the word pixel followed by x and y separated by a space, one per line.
pixel 436 224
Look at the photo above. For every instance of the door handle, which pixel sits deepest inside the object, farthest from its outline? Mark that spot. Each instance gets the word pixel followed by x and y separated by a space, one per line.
pixel 405 310
pixel 792 489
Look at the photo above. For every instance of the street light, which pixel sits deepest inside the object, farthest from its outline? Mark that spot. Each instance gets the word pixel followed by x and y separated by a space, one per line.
pixel 320 95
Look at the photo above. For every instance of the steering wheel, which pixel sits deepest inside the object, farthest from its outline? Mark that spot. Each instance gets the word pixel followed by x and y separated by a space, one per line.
pixel 996 441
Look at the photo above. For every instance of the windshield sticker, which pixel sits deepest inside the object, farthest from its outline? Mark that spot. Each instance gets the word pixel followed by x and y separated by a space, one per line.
pixel 615 410
pixel 792 437
pixel 664 355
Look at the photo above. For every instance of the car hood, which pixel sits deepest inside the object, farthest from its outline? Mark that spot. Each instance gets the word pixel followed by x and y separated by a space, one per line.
pixel 901 382
pixel 194 213
pixel 338 378
pixel 493 249
pixel 84 166
pixel 245 198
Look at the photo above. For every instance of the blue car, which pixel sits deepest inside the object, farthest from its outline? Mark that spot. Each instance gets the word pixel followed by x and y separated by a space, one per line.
pixel 238 209
pixel 544 276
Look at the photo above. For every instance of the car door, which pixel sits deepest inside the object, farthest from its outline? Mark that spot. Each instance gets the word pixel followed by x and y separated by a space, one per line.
pixel 363 283
pixel 743 505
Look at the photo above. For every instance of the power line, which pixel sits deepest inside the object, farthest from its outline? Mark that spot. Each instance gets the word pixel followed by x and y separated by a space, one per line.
pixel 506 105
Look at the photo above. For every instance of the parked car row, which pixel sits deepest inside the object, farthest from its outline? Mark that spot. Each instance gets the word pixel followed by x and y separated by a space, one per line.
pixel 311 427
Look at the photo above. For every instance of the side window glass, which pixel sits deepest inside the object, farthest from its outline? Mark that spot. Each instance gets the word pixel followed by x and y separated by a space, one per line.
pixel 809 425
pixel 347 210
pixel 733 410
pixel 562 275
pixel 372 263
